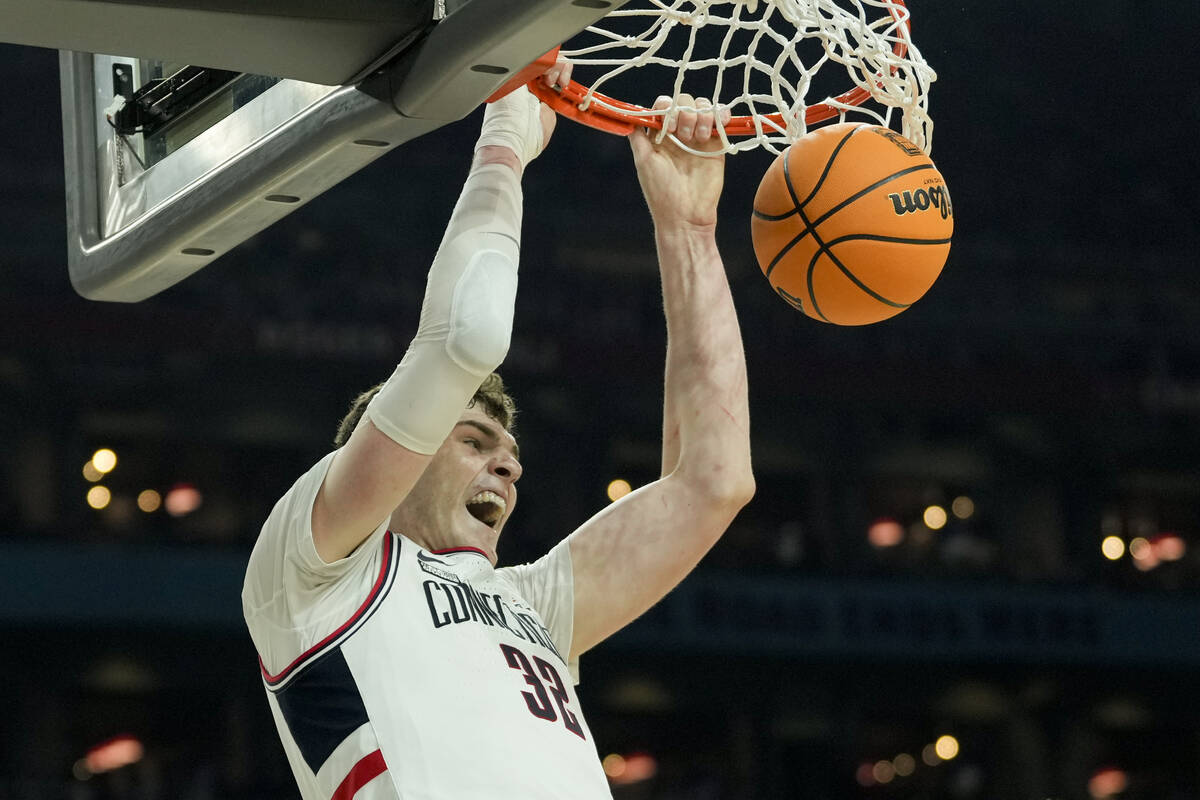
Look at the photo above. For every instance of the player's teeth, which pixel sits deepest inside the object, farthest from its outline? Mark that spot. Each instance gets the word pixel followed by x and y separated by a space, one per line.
pixel 489 497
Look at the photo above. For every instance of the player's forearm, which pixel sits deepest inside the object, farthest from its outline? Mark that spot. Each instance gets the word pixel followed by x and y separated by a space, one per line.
pixel 464 333
pixel 456 346
pixel 706 435
pixel 467 314
pixel 493 154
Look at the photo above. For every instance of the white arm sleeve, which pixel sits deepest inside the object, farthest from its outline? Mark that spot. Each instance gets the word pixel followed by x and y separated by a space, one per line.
pixel 467 315
pixel 466 319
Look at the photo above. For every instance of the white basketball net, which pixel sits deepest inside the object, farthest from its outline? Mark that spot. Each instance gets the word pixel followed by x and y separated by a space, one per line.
pixel 767 54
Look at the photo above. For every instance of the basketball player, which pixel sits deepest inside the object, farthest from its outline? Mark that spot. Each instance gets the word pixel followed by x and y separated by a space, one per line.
pixel 399 662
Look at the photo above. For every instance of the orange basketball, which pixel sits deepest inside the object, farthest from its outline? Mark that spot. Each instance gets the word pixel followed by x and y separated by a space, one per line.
pixel 852 224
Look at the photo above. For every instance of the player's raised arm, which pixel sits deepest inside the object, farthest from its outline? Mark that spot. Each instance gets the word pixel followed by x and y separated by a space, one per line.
pixel 636 550
pixel 466 323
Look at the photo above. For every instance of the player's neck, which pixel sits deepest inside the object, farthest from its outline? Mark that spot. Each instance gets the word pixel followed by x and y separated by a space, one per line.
pixel 445 543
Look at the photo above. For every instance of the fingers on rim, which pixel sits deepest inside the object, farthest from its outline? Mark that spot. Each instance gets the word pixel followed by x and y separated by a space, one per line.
pixel 661 103
pixel 704 119
pixel 691 119
pixel 685 109
pixel 559 74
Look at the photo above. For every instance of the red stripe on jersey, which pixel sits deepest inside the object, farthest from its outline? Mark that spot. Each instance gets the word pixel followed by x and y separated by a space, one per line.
pixel 367 769
pixel 387 557
pixel 448 550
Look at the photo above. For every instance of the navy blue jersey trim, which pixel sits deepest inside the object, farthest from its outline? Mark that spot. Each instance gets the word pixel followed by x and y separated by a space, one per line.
pixel 322 706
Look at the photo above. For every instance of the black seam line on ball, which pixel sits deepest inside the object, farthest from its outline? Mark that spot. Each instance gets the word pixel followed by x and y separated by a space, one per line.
pixel 855 279
pixel 827 250
pixel 772 217
pixel 868 190
pixel 812 295
pixel 824 173
pixel 797 204
pixel 812 266
pixel 871 237
pixel 787 181
pixel 784 250
pixel 808 228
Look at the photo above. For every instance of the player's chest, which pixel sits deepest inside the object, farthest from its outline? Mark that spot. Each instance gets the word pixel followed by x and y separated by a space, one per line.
pixel 475 646
pixel 440 610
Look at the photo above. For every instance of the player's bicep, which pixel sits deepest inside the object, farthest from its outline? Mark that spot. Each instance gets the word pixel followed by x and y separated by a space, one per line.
pixel 369 477
pixel 628 556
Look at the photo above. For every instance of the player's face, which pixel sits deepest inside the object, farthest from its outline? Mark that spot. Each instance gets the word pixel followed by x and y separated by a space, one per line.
pixel 468 491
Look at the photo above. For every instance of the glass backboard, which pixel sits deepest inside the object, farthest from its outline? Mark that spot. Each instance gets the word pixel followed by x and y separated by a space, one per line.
pixel 201 138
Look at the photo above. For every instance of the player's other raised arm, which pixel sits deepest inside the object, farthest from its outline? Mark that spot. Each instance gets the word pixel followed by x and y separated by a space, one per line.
pixel 636 550
pixel 466 323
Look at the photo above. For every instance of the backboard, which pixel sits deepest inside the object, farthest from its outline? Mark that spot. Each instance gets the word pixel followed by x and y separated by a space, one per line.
pixel 227 114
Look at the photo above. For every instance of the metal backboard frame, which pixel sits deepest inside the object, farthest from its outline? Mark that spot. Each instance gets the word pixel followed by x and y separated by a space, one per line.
pixel 130 241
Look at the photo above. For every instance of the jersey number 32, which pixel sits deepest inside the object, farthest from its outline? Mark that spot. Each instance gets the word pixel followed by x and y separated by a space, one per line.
pixel 545 683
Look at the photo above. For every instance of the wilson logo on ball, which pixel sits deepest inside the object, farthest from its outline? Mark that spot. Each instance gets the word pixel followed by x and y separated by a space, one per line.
pixel 922 199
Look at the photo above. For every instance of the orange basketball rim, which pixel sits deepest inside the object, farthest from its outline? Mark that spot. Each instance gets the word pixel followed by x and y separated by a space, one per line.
pixel 578 102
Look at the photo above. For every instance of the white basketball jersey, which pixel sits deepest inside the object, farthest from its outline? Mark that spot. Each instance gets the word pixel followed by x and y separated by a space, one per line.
pixel 400 673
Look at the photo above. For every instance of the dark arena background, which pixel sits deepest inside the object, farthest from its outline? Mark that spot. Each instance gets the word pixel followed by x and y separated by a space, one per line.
pixel 970 568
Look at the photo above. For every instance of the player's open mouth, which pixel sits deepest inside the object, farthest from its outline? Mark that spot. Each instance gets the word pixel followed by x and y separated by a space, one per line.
pixel 487 507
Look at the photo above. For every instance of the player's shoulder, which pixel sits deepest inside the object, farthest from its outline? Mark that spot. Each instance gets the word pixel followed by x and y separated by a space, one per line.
pixel 284 531
pixel 553 568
